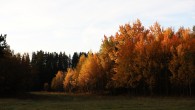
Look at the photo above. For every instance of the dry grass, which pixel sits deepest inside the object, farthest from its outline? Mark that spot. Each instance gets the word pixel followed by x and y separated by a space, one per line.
pixel 61 101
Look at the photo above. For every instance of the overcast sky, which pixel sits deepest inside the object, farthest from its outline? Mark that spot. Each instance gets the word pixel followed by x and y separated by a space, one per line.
pixel 80 25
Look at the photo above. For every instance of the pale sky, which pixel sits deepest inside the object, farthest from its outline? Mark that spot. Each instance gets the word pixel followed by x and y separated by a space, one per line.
pixel 80 25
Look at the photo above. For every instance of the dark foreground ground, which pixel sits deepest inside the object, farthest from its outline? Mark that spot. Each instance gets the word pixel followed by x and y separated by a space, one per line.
pixel 61 101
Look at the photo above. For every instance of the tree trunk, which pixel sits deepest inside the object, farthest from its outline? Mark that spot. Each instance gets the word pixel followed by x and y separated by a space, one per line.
pixel 190 89
pixel 151 91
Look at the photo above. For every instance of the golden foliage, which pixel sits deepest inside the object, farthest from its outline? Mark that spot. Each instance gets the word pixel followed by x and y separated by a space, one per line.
pixel 69 82
pixel 57 81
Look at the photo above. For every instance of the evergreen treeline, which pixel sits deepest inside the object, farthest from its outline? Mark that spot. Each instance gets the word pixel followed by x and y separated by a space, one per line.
pixel 19 73
pixel 136 60
pixel 15 72
pixel 46 65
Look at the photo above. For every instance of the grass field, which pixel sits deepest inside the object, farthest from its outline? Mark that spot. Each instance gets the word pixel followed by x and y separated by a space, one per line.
pixel 61 101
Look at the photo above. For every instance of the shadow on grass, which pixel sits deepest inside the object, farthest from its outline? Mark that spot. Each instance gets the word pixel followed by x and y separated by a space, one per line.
pixel 61 96
pixel 36 96
pixel 50 96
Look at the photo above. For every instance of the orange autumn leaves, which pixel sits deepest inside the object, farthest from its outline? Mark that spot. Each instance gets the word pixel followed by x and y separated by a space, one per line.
pixel 153 60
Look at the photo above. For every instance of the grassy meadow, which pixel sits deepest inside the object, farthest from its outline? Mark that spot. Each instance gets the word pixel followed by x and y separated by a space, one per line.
pixel 62 101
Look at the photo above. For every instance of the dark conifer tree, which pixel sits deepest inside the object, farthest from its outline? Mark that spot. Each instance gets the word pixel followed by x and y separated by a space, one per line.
pixel 75 59
pixel 3 45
